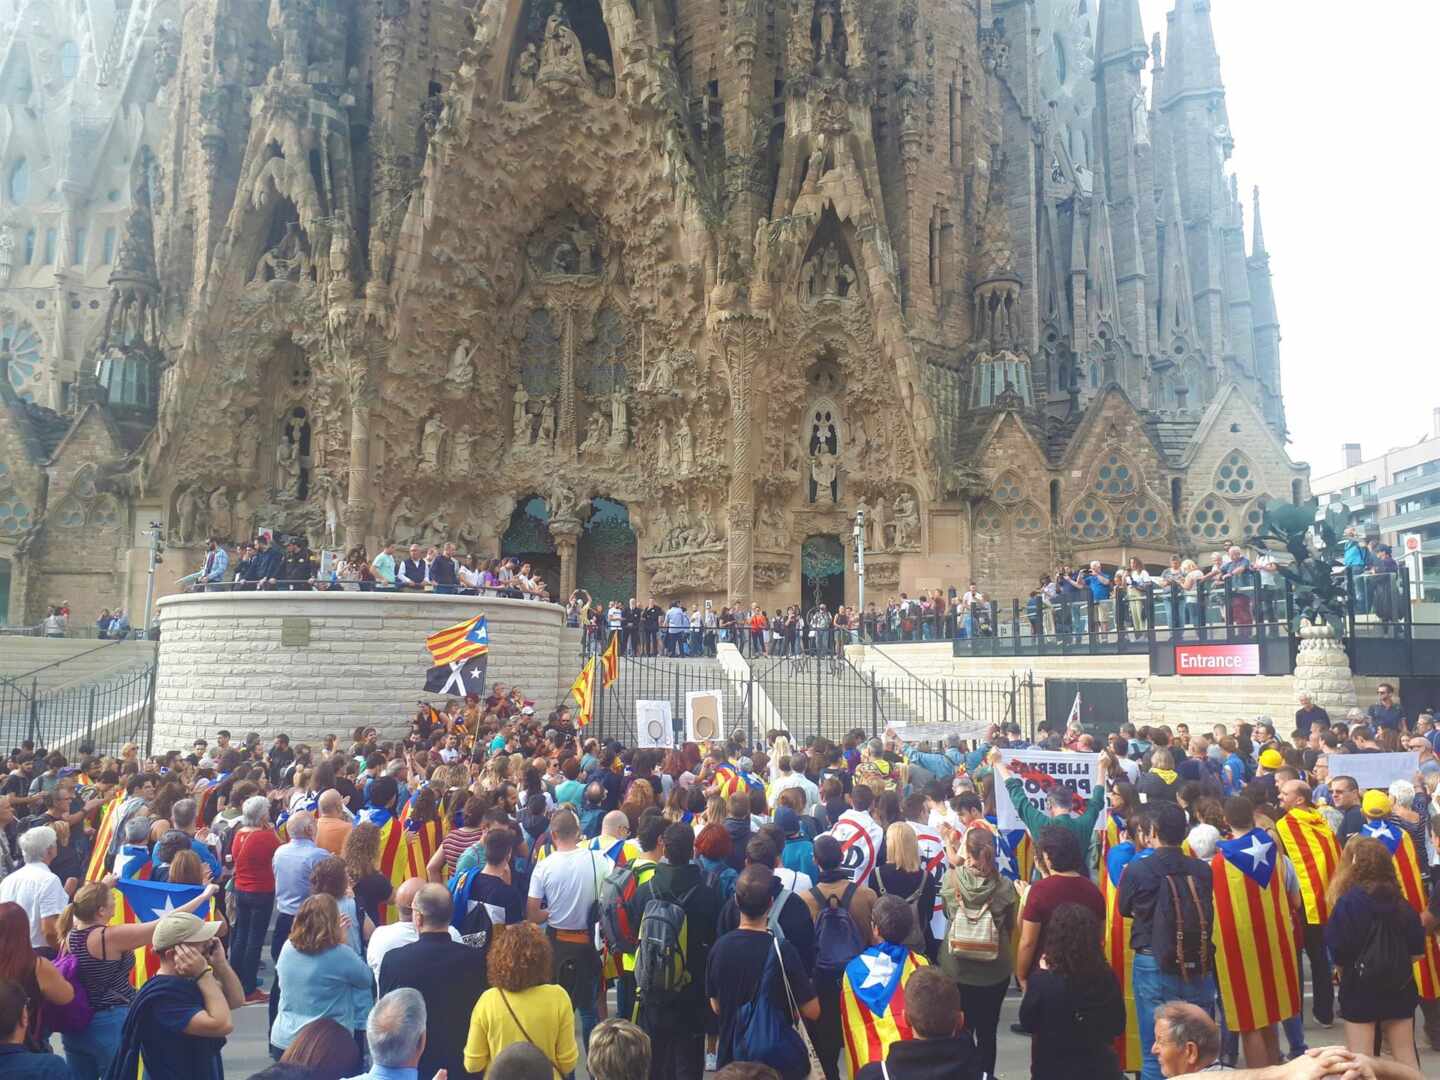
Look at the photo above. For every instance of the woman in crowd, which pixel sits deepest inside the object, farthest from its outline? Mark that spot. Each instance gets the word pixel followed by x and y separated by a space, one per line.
pixel 325 1049
pixel 1073 1007
pixel 330 878
pixel 251 852
pixel 1365 899
pixel 105 954
pixel 370 888
pixel 522 1004
pixel 321 974
pixel 37 976
pixel 973 889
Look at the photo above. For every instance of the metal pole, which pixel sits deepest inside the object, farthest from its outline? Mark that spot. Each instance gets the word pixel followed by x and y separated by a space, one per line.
pixel 860 567
pixel 154 533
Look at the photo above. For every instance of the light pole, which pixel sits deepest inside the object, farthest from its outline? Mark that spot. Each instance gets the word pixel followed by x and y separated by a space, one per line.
pixel 156 549
pixel 859 534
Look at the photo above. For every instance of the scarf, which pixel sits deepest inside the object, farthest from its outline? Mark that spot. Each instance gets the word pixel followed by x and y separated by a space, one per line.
pixel 1168 775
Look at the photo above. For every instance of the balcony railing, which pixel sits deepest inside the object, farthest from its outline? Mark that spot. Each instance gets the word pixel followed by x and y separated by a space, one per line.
pixel 1412 519
pixel 1414 485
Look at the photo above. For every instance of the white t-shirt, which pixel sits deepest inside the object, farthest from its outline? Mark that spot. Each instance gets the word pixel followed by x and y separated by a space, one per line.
pixel 36 889
pixel 567 883
pixel 794 880
pixel 393 936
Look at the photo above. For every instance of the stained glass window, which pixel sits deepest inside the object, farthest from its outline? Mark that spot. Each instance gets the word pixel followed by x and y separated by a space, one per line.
pixel 1090 521
pixel 1211 520
pixel 23 345
pixel 1144 522
pixel 1115 477
pixel 606 553
pixel 1235 476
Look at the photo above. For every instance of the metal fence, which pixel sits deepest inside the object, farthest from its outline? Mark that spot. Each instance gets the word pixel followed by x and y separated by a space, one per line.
pixel 106 713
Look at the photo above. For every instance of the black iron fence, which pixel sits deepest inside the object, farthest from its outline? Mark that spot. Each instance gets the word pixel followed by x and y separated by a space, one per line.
pixel 106 713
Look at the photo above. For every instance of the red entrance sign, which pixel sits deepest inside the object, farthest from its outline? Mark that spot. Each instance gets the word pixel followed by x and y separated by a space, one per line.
pixel 1217 659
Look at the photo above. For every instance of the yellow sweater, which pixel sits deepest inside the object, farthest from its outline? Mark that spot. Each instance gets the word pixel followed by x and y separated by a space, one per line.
pixel 544 1011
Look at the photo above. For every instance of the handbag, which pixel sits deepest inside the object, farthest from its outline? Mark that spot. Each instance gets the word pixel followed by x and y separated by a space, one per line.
pixel 816 1069
pixel 974 935
pixel 521 1026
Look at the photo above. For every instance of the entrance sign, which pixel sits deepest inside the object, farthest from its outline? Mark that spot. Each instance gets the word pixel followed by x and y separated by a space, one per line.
pixel 1374 770
pixel 1039 771
pixel 654 729
pixel 1217 659
pixel 703 716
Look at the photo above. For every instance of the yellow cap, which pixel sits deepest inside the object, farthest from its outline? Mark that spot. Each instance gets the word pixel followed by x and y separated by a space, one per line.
pixel 1272 759
pixel 1376 803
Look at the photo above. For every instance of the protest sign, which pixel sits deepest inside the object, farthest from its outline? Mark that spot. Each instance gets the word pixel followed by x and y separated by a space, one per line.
pixel 1374 770
pixel 1039 771
pixel 938 732
pixel 703 716
pixel 653 726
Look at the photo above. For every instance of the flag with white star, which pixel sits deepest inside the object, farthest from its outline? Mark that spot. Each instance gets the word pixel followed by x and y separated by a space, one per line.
pixel 872 1002
pixel 146 901
pixel 1253 854
pixel 1256 967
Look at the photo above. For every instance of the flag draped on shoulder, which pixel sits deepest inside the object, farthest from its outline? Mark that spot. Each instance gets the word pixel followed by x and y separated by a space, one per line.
pixel 145 901
pixel 1315 853
pixel 583 691
pixel 610 661
pixel 426 836
pixel 395 854
pixel 459 642
pixel 1014 852
pixel 104 834
pixel 1256 958
pixel 1116 853
pixel 1412 885
pixel 872 1002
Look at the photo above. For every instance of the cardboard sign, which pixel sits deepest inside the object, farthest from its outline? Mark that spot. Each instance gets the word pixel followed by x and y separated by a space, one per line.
pixel 1374 770
pixel 1039 771
pixel 654 727
pixel 703 716
pixel 1217 659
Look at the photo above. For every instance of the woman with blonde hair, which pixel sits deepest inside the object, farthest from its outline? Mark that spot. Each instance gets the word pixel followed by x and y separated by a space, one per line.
pixel 321 974
pixel 522 1004
pixel 1365 900
pixel 105 954
pixel 903 875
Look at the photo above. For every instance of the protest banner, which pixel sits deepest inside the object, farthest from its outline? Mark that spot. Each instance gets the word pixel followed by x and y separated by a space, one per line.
pixel 1374 770
pixel 653 725
pixel 938 732
pixel 1039 771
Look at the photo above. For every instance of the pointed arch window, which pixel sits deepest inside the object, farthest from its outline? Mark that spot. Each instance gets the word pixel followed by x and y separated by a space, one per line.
pixel 1091 520
pixel 1029 520
pixel 989 520
pixel 1211 521
pixel 1008 489
pixel 1235 476
pixel 1115 477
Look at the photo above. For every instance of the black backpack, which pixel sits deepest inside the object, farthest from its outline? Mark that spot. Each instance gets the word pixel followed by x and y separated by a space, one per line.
pixel 1181 930
pixel 1383 967
pixel 838 939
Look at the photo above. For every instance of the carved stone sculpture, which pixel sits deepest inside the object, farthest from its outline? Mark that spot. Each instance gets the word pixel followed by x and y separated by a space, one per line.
pixel 462 371
pixel 221 519
pixel 289 459
pixel 7 252
pixel 824 477
pixel 547 424
pixel 661 376
pixel 527 67
pixel 523 436
pixel 907 521
pixel 597 433
pixel 187 509
pixel 561 58
pixel 432 440
pixel 684 448
pixel 619 419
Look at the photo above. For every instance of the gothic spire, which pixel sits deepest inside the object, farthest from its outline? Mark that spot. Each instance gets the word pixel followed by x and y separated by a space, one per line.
pixel 1178 334
pixel 1192 64
pixel 1258 244
pixel 1120 35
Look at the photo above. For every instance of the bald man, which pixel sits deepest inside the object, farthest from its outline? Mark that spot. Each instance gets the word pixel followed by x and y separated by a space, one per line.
pixel 403 932
pixel 333 825
pixel 614 840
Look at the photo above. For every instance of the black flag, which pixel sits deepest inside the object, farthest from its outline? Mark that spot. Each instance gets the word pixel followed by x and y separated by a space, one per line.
pixel 458 679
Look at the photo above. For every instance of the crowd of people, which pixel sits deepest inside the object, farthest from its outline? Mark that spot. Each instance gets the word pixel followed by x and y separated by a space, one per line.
pixel 459 901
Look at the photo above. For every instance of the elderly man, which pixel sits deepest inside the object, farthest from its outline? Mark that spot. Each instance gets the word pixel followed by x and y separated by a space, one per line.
pixel 395 1033
pixel 36 888
pixel 292 864
pixel 182 818
pixel 449 976
pixel 1186 1039
pixel 942 766
pixel 1310 715
pixel 401 932
pixel 334 824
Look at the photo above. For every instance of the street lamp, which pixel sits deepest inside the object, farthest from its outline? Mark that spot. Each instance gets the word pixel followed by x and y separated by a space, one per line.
pixel 859 533
pixel 157 549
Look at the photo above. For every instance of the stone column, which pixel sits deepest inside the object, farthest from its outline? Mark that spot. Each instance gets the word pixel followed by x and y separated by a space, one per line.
pixel 567 539
pixel 1322 669
pixel 741 336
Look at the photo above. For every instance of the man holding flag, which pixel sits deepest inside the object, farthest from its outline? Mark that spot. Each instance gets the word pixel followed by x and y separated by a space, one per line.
pixel 1397 841
pixel 1314 852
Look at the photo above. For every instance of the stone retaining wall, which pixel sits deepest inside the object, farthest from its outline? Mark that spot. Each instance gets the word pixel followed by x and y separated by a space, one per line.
pixel 314 663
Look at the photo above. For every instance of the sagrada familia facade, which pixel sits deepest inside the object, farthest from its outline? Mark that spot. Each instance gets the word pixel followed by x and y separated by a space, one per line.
pixel 656 294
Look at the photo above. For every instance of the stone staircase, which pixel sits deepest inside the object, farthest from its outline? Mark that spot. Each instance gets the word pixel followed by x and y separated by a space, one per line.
pixel 829 698
pixel 53 663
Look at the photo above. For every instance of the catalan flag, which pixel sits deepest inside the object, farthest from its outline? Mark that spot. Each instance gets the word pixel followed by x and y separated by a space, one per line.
pixel 459 642
pixel 1315 853
pixel 1117 852
pixel 104 833
pixel 1256 955
pixel 583 691
pixel 396 855
pixel 732 780
pixel 1412 884
pixel 1014 852
pixel 426 836
pixel 872 1002
pixel 610 661
pixel 145 901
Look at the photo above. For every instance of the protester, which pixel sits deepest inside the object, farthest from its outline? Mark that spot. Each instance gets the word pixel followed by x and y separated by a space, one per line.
pixel 618 1051
pixel 324 1049
pixel 395 1034
pixel 252 851
pixel 522 1005
pixel 874 995
pixel 321 974
pixel 36 888
pixel 842 910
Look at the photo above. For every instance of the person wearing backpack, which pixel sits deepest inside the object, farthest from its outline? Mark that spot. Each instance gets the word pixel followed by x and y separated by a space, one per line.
pixel 903 875
pixel 1168 896
pixel 981 906
pixel 1374 936
pixel 842 912
pixel 872 993
pixel 751 980
pixel 788 917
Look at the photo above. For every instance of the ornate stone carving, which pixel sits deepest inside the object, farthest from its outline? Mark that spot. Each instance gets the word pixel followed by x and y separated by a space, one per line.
pixel 432 444
pixel 882 573
pixel 771 575
pixel 905 531
pixel 686 574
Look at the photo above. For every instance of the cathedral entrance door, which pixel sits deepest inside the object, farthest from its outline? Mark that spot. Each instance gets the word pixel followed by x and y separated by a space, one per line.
pixel 822 573
pixel 528 539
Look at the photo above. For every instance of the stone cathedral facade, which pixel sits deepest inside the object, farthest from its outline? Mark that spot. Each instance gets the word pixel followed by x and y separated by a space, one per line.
pixel 655 294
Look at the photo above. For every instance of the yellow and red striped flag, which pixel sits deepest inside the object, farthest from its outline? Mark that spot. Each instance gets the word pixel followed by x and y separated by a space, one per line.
pixel 145 901
pixel 610 661
pixel 426 835
pixel 1256 955
pixel 1412 884
pixel 459 642
pixel 872 1002
pixel 104 833
pixel 1315 853
pixel 583 691
pixel 1116 854
pixel 396 855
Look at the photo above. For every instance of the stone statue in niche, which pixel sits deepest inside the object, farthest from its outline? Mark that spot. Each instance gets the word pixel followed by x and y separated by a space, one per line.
pixel 288 260
pixel 527 67
pixel 662 451
pixel 221 517
pixel 432 441
pixel 462 370
pixel 568 244
pixel 460 452
pixel 824 477
pixel 661 376
pixel 1140 115
pixel 561 57
pixel 907 521
pixel 602 74
pixel 329 489
pixel 597 433
pixel 684 448
pixel 403 519
pixel 564 504
pixel 289 455
pixel 523 435
pixel 187 509
pixel 619 418
pixel 547 424
pixel 882 525
pixel 774 533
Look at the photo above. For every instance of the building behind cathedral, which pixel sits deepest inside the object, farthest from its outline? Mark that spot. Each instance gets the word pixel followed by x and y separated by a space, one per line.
pixel 655 294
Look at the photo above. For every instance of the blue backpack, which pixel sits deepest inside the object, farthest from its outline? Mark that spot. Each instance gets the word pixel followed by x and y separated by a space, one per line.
pixel 837 937
pixel 766 1034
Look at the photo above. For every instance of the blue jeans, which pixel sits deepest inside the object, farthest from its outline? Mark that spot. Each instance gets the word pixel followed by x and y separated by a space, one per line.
pixel 1154 988
pixel 90 1052
pixel 252 919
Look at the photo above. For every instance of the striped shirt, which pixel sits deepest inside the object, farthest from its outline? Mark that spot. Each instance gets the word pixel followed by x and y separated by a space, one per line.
pixel 106 981
pixel 456 841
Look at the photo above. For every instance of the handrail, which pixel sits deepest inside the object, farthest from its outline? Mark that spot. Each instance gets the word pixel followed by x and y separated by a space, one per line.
pixel 923 682
pixel 66 659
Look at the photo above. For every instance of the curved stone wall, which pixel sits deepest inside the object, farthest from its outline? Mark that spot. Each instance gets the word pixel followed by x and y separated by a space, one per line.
pixel 314 663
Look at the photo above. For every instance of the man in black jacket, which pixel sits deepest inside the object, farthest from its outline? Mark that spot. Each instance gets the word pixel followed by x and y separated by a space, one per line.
pixel 298 568
pixel 1144 887
pixel 650 623
pixel 442 571
pixel 265 567
pixel 448 975
pixel 630 621
pixel 677 1026
pixel 941 1049
pixel 792 917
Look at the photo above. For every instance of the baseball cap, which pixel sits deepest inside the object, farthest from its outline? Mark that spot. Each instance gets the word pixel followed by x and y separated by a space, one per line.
pixel 181 928
pixel 1272 759
pixel 1376 803
pixel 787 821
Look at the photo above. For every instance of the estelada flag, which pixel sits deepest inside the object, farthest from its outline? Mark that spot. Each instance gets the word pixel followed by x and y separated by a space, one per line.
pixel 1407 869
pixel 872 1002
pixel 459 642
pixel 1116 854
pixel 1256 958
pixel 610 661
pixel 1014 852
pixel 459 678
pixel 732 780
pixel 425 835
pixel 104 833
pixel 1315 853
pixel 396 855
pixel 583 691
pixel 145 901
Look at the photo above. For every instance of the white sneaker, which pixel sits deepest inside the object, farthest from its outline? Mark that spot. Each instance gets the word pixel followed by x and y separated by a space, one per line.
pixel 711 1064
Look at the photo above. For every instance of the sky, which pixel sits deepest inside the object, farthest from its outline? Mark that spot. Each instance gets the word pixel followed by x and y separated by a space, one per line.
pixel 1325 105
